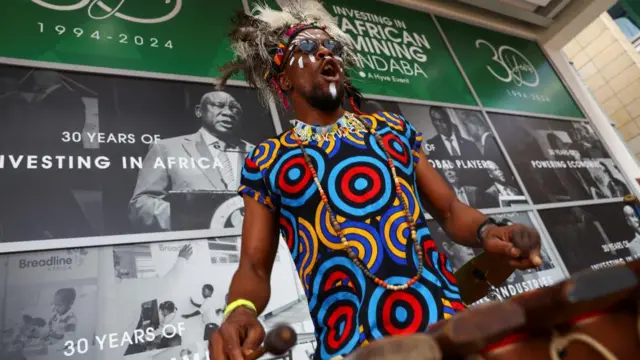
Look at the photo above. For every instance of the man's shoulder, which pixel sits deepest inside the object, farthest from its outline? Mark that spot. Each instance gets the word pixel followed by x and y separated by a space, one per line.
pixel 267 151
pixel 172 141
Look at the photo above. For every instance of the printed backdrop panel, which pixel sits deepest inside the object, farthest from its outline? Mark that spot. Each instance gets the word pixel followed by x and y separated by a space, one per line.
pixel 400 51
pixel 461 146
pixel 559 160
pixel 507 72
pixel 89 155
pixel 165 36
pixel 144 301
pixel 546 274
pixel 594 236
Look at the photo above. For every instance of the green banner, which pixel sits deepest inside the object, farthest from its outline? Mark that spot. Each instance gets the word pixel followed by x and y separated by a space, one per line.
pixel 401 52
pixel 183 37
pixel 508 72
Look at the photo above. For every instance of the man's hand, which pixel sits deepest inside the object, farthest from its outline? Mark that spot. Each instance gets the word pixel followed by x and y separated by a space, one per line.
pixel 186 252
pixel 520 243
pixel 240 334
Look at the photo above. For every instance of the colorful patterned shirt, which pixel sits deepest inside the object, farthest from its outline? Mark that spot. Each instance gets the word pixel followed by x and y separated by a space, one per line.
pixel 348 309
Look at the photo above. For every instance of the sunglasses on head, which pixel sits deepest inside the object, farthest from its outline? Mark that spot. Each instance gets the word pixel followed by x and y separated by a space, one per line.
pixel 311 46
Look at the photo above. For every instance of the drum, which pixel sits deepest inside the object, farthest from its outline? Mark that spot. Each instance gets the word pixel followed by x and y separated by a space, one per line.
pixel 592 315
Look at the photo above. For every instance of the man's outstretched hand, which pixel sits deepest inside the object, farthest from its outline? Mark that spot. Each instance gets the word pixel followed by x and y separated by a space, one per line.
pixel 240 334
pixel 519 243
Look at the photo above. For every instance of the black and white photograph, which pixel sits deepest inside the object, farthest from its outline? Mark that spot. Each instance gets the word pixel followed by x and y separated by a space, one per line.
pixel 151 289
pixel 89 155
pixel 559 160
pixel 520 281
pixel 594 236
pixel 288 303
pixel 49 305
pixel 460 145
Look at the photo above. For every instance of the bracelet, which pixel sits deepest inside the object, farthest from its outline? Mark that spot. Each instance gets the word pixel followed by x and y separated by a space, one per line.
pixel 236 304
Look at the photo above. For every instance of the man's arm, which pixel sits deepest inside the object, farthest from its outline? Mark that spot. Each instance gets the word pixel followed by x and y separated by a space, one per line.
pixel 458 220
pixel 147 209
pixel 461 222
pixel 259 246
pixel 195 313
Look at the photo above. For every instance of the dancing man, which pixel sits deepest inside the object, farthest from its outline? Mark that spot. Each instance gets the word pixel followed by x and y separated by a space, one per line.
pixel 349 193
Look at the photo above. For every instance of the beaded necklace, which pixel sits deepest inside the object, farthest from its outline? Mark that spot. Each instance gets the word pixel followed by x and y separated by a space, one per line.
pixel 336 226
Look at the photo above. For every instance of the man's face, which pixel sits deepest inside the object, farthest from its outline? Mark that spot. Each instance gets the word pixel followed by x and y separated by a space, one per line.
pixel 451 176
pixel 220 112
pixel 495 173
pixel 631 218
pixel 60 306
pixel 441 121
pixel 317 78
pixel 471 120
pixel 206 292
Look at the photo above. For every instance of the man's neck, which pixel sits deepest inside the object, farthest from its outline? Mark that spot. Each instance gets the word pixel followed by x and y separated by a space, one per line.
pixel 226 138
pixel 312 116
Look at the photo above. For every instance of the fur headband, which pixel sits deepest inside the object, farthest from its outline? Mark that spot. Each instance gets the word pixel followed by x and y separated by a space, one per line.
pixel 256 38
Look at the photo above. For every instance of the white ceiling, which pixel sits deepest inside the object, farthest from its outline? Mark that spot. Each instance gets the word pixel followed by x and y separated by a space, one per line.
pixel 536 12
pixel 551 22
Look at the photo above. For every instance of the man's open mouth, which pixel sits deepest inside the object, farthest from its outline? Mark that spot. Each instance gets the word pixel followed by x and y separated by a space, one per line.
pixel 330 70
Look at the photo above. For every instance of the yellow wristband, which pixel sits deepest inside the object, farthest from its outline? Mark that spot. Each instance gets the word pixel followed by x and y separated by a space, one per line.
pixel 236 304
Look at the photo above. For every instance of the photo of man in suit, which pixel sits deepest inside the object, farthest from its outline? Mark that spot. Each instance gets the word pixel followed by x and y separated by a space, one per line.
pixel 480 134
pixel 449 143
pixel 208 160
pixel 632 220
pixel 467 194
pixel 499 188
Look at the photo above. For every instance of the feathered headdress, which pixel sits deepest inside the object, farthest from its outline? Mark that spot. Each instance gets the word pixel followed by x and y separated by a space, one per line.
pixel 260 40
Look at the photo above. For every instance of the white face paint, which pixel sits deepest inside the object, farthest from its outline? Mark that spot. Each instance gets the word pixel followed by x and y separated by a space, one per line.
pixel 338 58
pixel 293 58
pixel 312 58
pixel 300 63
pixel 333 90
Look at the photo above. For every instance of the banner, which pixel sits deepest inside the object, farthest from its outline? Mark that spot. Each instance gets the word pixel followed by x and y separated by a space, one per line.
pixel 88 155
pixel 164 36
pixel 594 236
pixel 460 145
pixel 559 160
pixel 507 72
pixel 143 301
pixel 520 281
pixel 400 51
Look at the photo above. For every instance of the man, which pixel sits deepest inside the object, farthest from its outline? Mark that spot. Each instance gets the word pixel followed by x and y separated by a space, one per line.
pixel 612 187
pixel 480 134
pixel 210 159
pixel 448 143
pixel 341 198
pixel 466 194
pixel 584 141
pixel 500 187
pixel 632 220
pixel 208 309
